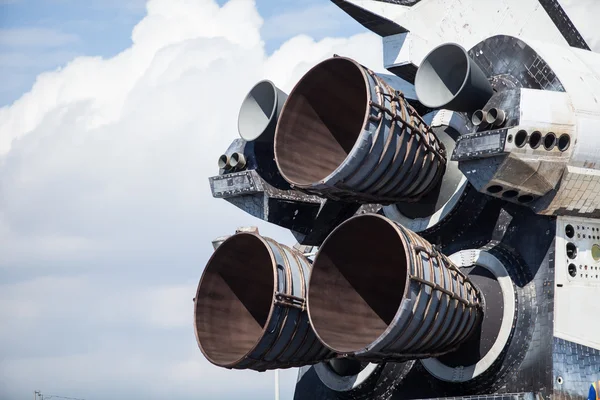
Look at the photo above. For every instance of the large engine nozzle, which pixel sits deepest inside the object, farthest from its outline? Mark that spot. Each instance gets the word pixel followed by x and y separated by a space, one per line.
pixel 249 309
pixel 345 134
pixel 379 291
pixel 260 111
pixel 448 78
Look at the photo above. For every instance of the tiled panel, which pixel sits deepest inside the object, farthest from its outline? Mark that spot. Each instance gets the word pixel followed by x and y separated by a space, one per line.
pixel 575 368
pixel 578 194
pixel 506 55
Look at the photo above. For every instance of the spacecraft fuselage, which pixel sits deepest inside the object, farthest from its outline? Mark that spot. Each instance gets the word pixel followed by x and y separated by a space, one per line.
pixel 448 235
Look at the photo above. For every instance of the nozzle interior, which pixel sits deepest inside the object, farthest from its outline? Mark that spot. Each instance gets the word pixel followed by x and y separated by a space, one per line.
pixel 257 110
pixel 357 283
pixel 234 299
pixel 321 121
pixel 442 75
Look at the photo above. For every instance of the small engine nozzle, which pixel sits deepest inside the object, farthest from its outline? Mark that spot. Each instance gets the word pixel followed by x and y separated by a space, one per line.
pixel 260 111
pixel 449 79
pixel 224 162
pixel 495 116
pixel 237 161
pixel 479 118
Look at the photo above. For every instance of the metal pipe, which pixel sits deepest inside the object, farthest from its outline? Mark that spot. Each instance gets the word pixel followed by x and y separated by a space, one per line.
pixel 237 161
pixel 224 162
pixel 379 291
pixel 260 111
pixel 479 118
pixel 495 116
pixel 345 134
pixel 449 79
pixel 249 309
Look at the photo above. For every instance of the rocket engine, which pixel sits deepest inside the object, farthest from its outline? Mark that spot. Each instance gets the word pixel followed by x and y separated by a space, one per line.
pixel 250 308
pixel 346 134
pixel 380 292
pixel 432 225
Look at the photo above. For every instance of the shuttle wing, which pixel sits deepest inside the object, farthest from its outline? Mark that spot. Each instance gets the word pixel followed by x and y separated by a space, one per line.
pixel 411 28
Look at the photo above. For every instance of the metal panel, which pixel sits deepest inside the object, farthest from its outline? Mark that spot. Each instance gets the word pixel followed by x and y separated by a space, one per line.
pixel 575 368
pixel 378 24
pixel 578 280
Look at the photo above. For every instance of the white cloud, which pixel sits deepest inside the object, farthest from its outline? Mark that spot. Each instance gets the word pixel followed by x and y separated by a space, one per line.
pixel 106 215
pixel 36 37
pixel 47 298
pixel 320 19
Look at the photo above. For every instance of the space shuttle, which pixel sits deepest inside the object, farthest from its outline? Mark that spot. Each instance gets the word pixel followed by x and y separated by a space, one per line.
pixel 448 235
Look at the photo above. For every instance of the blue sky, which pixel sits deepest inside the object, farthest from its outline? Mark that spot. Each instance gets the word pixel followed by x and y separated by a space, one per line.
pixel 41 35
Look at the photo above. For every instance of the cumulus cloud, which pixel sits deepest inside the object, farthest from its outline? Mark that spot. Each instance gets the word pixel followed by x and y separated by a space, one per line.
pixel 106 215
